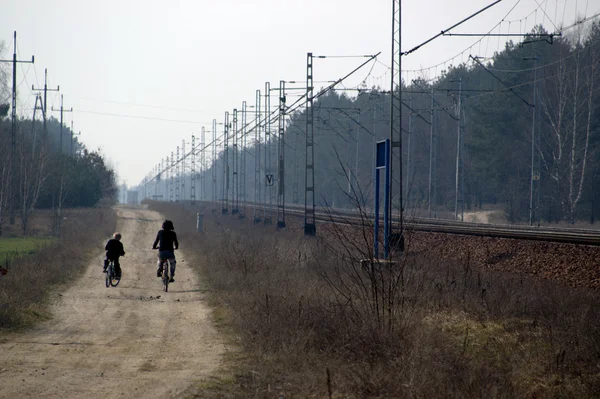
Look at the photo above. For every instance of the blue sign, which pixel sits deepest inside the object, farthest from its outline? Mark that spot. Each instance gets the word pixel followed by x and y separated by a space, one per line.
pixel 380 155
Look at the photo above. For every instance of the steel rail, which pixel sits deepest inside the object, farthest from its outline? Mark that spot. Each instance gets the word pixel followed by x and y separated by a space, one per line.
pixel 548 234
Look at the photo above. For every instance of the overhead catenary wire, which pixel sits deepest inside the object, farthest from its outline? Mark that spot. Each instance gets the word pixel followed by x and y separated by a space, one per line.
pixel 291 109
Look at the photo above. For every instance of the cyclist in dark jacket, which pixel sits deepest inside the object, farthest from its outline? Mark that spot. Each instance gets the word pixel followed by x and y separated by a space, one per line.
pixel 166 239
pixel 114 249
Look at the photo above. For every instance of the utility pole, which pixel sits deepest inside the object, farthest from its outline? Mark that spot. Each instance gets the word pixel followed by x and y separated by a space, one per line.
pixel 281 158
pixel 244 182
pixel 13 130
pixel 177 167
pixel 214 161
pixel 268 167
pixel 193 174
pixel 458 148
pixel 409 151
pixel 533 175
pixel 357 127
pixel 182 170
pixel 202 165
pixel 224 208
pixel 235 187
pixel 45 90
pixel 172 164
pixel 73 134
pixel 257 174
pixel 430 199
pixel 309 169
pixel 396 123
pixel 61 121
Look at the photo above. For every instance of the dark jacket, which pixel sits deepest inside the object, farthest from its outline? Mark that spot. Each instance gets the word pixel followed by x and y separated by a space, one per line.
pixel 167 240
pixel 114 249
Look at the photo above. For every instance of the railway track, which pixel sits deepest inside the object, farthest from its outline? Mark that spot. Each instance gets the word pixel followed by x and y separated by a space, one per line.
pixel 551 234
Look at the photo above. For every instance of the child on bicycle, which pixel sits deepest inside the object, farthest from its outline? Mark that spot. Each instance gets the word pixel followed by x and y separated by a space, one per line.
pixel 166 239
pixel 114 249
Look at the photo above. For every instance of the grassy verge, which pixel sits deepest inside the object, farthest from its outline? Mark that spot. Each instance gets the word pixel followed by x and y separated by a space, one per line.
pixel 49 262
pixel 14 247
pixel 311 321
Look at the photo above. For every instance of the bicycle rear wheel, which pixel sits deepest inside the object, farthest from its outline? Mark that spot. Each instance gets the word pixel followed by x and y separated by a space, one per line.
pixel 108 274
pixel 165 276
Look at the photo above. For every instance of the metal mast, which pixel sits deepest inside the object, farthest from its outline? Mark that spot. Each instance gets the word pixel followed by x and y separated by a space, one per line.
pixel 396 122
pixel 257 174
pixel 268 166
pixel 193 175
pixel 458 148
pixel 182 170
pixel 235 208
pixel 409 149
pixel 309 170
pixel 431 199
pixel 177 167
pixel 281 159
pixel 171 162
pixel 224 208
pixel 243 177
pixel 214 161
pixel 202 168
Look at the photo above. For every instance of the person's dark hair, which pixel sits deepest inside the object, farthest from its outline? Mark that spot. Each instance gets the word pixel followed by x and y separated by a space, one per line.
pixel 168 225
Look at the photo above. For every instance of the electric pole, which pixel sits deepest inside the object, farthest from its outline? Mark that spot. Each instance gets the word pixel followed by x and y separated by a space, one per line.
pixel 309 167
pixel 202 163
pixel 73 134
pixel 13 130
pixel 268 219
pixel 458 147
pixel 193 175
pixel 214 161
pixel 396 123
pixel 257 174
pixel 45 107
pixel 280 157
pixel 61 121
pixel 243 177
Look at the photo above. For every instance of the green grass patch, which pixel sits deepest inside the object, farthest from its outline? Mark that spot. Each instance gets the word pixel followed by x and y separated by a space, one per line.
pixel 21 246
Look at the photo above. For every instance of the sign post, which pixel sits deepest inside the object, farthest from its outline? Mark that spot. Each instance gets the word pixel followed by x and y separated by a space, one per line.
pixel 382 156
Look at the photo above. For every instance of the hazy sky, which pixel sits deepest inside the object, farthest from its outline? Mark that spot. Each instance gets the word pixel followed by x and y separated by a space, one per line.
pixel 124 64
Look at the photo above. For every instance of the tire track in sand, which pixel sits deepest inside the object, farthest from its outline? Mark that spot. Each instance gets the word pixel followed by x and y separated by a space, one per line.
pixel 117 342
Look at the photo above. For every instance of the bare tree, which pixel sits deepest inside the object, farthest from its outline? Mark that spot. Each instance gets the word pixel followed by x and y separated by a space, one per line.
pixel 4 176
pixel 32 175
pixel 568 109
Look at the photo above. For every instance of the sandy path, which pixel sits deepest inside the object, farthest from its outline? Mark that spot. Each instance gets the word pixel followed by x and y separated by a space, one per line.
pixel 117 342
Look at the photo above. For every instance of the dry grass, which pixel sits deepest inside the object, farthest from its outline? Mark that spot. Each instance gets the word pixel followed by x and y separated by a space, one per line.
pixel 30 278
pixel 306 324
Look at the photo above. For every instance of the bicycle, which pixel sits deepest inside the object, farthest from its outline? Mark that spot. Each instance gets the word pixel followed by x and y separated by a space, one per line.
pixel 111 276
pixel 165 273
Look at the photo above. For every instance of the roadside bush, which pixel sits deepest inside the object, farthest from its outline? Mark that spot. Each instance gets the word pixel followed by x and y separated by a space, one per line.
pixel 24 289
pixel 321 318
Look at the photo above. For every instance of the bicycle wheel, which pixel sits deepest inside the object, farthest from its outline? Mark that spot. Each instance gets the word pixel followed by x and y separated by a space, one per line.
pixel 108 275
pixel 165 276
pixel 114 281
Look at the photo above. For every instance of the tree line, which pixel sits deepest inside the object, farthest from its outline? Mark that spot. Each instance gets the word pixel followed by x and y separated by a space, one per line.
pixel 529 137
pixel 42 175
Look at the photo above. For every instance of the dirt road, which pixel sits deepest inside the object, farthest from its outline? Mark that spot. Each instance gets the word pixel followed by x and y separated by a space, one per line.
pixel 133 341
